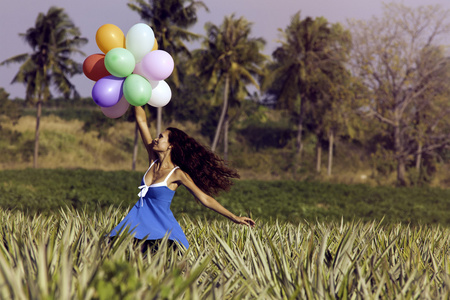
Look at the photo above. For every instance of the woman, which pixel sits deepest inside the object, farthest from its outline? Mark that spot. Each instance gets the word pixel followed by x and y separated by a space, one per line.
pixel 175 159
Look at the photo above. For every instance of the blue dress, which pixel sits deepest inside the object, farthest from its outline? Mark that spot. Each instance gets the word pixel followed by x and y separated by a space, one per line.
pixel 151 218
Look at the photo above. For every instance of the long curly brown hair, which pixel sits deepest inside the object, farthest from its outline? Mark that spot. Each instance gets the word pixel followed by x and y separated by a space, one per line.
pixel 207 170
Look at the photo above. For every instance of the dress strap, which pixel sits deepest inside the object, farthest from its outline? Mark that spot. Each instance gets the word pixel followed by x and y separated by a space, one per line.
pixel 171 172
pixel 151 165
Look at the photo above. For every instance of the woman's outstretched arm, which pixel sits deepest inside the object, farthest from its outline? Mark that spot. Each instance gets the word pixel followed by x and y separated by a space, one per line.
pixel 141 121
pixel 209 201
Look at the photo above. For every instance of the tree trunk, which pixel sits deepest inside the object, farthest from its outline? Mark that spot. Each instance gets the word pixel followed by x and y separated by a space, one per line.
pixel 158 121
pixel 300 129
pixel 401 171
pixel 299 136
pixel 318 156
pixel 299 144
pixel 330 152
pixel 222 114
pixel 225 137
pixel 135 148
pixel 419 157
pixel 401 168
pixel 36 135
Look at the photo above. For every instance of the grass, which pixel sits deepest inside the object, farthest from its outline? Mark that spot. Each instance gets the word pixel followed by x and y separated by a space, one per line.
pixel 46 190
pixel 298 201
pixel 64 144
pixel 65 256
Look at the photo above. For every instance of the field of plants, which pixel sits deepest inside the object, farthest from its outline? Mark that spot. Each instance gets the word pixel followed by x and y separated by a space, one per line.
pixel 65 256
pixel 312 241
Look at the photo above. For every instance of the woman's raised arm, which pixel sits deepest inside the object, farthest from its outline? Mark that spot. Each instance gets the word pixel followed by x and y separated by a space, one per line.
pixel 141 121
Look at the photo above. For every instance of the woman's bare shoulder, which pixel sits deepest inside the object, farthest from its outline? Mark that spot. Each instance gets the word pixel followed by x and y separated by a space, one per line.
pixel 182 176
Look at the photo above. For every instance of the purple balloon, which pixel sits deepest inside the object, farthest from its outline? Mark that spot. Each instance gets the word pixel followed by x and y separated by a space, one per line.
pixel 107 91
pixel 157 65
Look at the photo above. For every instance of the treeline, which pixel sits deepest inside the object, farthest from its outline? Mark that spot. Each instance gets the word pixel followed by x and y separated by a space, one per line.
pixel 375 90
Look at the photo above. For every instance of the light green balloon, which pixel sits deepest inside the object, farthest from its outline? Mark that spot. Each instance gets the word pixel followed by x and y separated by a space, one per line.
pixel 137 90
pixel 120 62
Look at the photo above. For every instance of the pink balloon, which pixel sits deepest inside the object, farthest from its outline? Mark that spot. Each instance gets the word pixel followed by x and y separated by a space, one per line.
pixel 118 110
pixel 157 65
pixel 138 69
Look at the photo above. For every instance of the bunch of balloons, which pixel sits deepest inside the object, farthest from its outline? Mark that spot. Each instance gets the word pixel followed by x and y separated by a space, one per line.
pixel 131 70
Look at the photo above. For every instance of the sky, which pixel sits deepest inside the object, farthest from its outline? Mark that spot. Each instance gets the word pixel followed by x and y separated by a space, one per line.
pixel 267 17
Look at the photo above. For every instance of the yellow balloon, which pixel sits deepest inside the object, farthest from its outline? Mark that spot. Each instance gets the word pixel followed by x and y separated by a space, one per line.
pixel 108 37
pixel 155 46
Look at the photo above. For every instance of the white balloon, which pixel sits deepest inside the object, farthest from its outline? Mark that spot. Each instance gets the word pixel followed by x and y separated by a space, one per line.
pixel 161 94
pixel 117 110
pixel 140 40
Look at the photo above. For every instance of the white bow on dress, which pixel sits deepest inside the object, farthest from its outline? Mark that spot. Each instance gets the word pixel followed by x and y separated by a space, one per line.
pixel 142 193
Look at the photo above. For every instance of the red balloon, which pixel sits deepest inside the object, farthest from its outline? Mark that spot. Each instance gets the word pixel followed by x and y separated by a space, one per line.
pixel 94 67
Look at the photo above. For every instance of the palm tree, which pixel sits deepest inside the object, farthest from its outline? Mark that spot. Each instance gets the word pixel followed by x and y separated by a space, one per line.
pixel 54 39
pixel 303 60
pixel 170 20
pixel 230 60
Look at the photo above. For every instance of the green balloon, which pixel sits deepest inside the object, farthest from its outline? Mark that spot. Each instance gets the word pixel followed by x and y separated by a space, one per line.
pixel 137 90
pixel 120 62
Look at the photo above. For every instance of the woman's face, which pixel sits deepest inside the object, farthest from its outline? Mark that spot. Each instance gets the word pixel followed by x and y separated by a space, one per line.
pixel 161 143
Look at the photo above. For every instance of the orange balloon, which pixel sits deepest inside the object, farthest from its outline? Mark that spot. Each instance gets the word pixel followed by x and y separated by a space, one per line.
pixel 94 67
pixel 155 46
pixel 108 37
